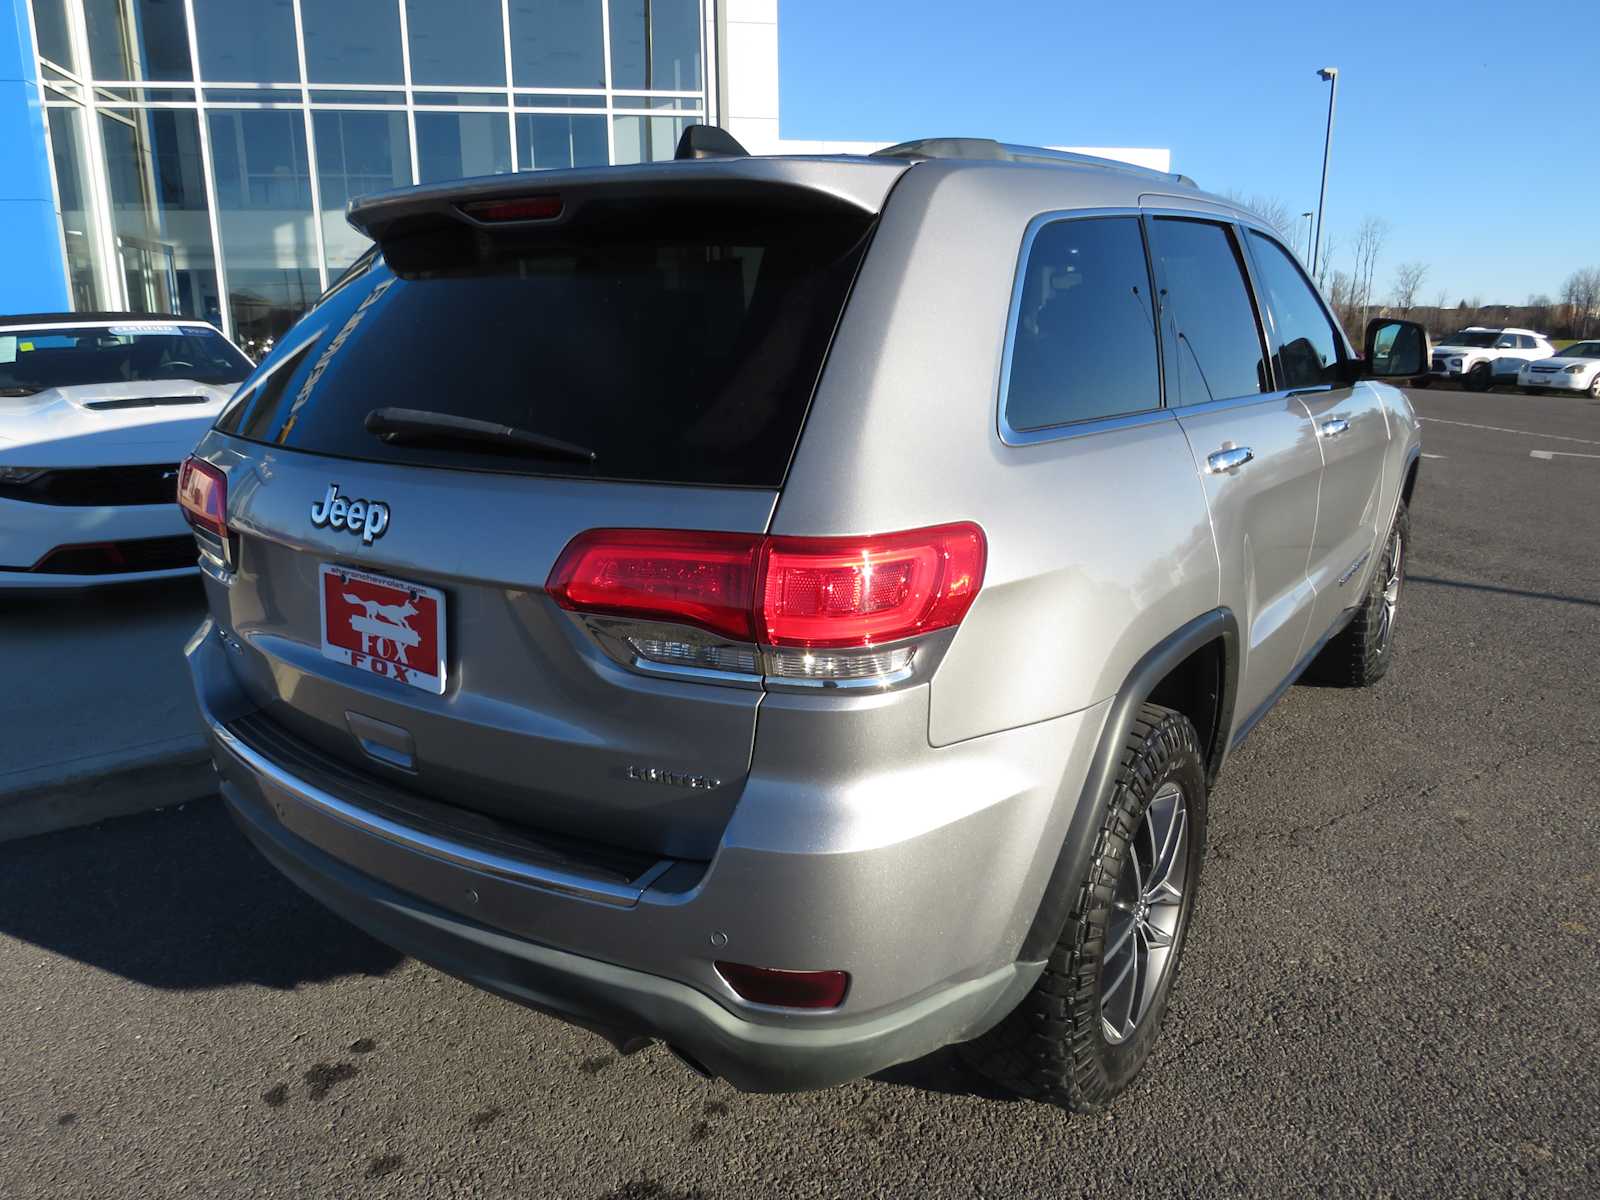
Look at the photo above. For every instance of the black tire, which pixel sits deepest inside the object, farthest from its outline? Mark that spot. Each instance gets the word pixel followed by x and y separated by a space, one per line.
pixel 1422 382
pixel 1360 655
pixel 1055 1045
pixel 1479 378
pixel 1594 386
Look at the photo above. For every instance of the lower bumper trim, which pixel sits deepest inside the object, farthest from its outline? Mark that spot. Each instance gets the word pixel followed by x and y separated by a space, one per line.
pixel 621 1003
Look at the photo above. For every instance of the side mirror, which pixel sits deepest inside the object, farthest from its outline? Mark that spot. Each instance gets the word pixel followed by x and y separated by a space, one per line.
pixel 1395 349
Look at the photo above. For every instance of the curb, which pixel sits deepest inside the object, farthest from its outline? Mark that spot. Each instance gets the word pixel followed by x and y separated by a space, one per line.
pixel 89 790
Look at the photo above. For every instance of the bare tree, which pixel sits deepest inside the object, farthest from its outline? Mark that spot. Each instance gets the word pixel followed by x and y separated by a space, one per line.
pixel 1330 244
pixel 1538 311
pixel 1370 237
pixel 1408 279
pixel 1581 295
pixel 1270 209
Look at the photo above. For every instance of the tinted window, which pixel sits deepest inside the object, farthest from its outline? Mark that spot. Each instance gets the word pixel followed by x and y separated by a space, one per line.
pixel 685 356
pixel 69 357
pixel 1085 342
pixel 1218 350
pixel 1307 351
pixel 1526 343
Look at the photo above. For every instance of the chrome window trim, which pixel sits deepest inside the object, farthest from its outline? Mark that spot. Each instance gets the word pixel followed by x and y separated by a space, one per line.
pixel 1009 434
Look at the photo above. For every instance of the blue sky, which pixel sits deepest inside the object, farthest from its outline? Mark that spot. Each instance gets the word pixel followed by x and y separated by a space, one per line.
pixel 1473 129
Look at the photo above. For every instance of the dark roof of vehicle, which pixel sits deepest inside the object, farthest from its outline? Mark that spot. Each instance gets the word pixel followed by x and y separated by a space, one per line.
pixel 80 318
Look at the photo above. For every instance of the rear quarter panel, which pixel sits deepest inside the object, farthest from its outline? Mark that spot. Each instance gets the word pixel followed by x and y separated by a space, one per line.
pixel 1099 544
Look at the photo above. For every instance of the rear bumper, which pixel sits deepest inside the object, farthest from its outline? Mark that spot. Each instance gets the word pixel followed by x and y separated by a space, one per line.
pixel 927 922
pixel 620 1002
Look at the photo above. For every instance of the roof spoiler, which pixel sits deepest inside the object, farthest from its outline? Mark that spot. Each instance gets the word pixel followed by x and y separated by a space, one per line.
pixel 707 141
pixel 987 149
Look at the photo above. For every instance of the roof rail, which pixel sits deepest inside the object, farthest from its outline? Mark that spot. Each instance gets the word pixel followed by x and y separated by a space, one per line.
pixel 993 151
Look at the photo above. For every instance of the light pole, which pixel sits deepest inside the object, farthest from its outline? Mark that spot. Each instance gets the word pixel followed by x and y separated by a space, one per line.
pixel 1306 217
pixel 1331 75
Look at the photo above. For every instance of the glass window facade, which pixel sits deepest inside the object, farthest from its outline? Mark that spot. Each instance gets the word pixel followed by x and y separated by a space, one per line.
pixel 220 193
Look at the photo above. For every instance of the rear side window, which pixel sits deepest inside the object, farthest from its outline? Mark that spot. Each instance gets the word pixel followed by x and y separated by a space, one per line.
pixel 1218 348
pixel 1307 352
pixel 1084 345
pixel 680 345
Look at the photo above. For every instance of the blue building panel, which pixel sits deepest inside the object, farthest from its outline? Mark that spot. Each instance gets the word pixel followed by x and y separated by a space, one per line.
pixel 32 273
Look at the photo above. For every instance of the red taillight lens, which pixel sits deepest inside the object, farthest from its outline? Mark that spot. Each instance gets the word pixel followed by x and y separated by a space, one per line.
pixel 866 591
pixel 704 579
pixel 520 208
pixel 787 989
pixel 779 591
pixel 203 495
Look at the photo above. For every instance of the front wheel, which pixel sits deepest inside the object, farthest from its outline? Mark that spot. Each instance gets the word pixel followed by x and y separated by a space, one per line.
pixel 1479 378
pixel 1084 1031
pixel 1594 386
pixel 1359 655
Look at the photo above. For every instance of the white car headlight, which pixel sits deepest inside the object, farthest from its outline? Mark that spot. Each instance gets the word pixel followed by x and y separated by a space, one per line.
pixel 1578 369
pixel 18 475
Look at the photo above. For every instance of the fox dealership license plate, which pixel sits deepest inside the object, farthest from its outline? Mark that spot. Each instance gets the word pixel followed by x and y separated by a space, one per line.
pixel 385 626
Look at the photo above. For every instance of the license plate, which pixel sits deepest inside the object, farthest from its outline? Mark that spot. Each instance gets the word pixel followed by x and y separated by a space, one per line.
pixel 384 626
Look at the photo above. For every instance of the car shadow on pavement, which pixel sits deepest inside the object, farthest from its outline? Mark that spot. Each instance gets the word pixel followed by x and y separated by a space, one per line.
pixel 176 899
pixel 1431 581
pixel 943 1072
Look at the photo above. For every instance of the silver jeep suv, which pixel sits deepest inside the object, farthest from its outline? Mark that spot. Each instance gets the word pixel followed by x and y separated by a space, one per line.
pixel 794 609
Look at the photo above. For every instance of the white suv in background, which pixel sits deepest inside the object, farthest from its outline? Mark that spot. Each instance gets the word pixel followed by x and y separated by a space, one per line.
pixel 1483 356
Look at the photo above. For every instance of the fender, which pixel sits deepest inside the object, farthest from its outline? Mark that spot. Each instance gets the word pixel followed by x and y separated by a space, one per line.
pixel 1083 831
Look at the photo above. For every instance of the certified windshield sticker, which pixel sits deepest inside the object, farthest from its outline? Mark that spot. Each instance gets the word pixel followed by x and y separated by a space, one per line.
pixel 136 330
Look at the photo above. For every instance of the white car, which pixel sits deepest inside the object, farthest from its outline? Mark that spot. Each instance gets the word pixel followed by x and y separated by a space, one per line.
pixel 1481 356
pixel 1575 369
pixel 96 412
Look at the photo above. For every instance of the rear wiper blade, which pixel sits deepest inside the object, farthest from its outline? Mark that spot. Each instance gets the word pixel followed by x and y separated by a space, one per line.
pixel 418 426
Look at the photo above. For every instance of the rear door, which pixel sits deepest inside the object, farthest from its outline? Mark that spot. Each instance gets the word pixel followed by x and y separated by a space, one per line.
pixel 678 342
pixel 1253 447
pixel 1352 428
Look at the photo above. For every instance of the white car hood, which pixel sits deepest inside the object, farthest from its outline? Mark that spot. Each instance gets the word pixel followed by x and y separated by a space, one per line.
pixel 58 428
pixel 1558 361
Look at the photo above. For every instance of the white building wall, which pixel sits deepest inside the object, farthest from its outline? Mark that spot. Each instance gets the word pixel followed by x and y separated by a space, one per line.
pixel 749 62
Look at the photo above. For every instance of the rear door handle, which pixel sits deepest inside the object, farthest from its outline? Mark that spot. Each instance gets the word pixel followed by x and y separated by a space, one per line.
pixel 1229 458
pixel 1333 427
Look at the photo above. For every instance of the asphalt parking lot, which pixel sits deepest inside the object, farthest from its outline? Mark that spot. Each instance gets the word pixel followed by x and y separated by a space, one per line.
pixel 1391 986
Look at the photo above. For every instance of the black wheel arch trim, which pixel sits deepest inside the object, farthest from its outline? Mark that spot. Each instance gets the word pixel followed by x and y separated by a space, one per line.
pixel 1073 862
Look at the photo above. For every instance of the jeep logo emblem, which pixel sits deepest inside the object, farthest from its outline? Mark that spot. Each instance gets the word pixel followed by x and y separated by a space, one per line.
pixel 368 518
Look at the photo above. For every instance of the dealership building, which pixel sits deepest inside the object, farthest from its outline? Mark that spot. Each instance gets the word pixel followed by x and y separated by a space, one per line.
pixel 195 157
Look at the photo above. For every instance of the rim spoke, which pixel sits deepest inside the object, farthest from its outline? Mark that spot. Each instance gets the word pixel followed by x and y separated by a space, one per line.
pixel 1156 939
pixel 1162 871
pixel 1122 940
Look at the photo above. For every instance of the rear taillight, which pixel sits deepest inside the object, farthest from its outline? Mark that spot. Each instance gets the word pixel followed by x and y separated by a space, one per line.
pixel 700 579
pixel 203 496
pixel 833 592
pixel 824 608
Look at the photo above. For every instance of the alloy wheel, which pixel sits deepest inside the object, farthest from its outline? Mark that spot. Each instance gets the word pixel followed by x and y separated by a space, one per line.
pixel 1146 908
pixel 1393 568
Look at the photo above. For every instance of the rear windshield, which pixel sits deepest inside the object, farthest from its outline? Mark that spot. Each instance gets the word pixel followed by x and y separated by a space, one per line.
pixel 67 356
pixel 680 346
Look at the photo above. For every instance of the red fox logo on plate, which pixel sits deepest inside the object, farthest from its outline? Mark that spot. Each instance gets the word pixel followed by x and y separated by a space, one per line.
pixel 386 628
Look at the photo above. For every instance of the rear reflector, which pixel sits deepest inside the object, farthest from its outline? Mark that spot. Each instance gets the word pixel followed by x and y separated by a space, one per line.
pixel 779 591
pixel 521 208
pixel 203 495
pixel 786 989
